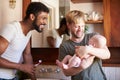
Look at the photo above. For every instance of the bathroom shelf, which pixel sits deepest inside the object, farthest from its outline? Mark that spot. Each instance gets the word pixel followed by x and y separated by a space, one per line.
pixel 94 22
pixel 85 1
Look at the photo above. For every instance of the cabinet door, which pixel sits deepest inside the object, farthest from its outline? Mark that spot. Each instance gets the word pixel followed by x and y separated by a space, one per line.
pixel 25 5
pixel 112 22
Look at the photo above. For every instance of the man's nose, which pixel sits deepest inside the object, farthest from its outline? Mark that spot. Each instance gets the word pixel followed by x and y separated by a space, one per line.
pixel 45 22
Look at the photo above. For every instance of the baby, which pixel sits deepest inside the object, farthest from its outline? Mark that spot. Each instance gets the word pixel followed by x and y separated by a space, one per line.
pixel 97 41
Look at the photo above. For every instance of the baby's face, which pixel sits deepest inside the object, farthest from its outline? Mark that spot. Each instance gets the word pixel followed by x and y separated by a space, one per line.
pixel 97 41
pixel 92 42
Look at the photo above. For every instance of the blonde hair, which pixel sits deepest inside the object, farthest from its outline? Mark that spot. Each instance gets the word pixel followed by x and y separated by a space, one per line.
pixel 74 16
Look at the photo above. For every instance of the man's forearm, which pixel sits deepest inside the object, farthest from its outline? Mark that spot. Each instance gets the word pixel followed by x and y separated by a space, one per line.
pixel 28 59
pixel 7 64
pixel 85 63
pixel 102 53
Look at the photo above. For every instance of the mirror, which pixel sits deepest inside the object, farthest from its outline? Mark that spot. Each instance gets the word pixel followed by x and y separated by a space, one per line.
pixel 58 8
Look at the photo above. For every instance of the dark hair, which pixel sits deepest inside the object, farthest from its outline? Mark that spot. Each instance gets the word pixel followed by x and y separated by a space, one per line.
pixel 35 8
pixel 63 22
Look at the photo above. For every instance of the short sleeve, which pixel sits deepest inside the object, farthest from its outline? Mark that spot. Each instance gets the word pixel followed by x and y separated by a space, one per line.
pixel 52 33
pixel 8 32
pixel 62 53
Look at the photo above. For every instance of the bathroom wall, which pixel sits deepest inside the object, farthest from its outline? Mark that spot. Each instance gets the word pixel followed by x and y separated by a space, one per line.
pixel 8 14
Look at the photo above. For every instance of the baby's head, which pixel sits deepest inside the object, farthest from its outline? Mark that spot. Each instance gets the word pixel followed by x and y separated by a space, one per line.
pixel 97 41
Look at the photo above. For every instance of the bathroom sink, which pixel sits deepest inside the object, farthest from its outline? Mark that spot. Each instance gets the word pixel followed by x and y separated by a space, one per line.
pixel 48 79
pixel 49 72
pixel 44 79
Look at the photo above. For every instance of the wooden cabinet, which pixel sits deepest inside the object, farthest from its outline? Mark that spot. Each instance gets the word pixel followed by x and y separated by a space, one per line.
pixel 111 22
pixel 25 5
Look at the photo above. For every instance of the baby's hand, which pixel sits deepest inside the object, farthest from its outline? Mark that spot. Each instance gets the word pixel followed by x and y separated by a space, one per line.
pixel 90 45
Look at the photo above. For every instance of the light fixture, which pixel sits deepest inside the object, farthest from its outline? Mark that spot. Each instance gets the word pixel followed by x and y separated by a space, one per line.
pixel 12 3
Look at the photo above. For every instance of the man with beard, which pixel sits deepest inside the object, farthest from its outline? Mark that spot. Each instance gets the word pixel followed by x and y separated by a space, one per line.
pixel 91 67
pixel 15 42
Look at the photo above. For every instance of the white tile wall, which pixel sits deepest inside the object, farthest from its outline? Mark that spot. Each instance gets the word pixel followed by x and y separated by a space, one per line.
pixel 112 73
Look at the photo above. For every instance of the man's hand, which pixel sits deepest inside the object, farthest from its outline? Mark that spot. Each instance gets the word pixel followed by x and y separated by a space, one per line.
pixel 81 51
pixel 27 68
pixel 33 77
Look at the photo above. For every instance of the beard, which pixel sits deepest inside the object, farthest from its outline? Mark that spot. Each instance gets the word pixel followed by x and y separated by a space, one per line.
pixel 78 36
pixel 36 27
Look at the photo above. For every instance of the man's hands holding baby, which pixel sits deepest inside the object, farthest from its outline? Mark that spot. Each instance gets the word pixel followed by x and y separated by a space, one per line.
pixel 82 51
pixel 86 60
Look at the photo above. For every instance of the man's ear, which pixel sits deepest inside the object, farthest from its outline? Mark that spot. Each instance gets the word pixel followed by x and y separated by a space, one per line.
pixel 32 17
